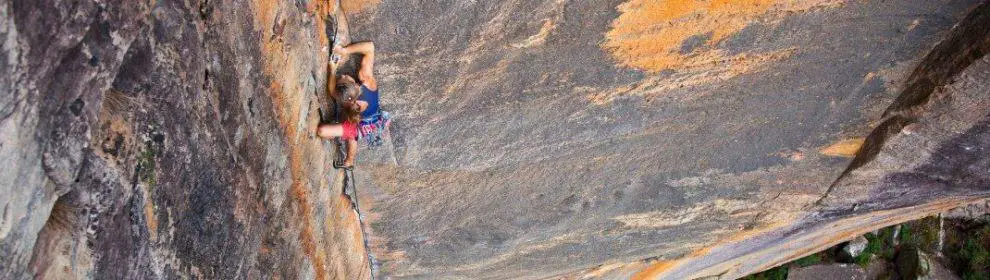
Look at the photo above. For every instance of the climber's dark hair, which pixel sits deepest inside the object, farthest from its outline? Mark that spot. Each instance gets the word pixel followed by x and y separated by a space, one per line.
pixel 348 91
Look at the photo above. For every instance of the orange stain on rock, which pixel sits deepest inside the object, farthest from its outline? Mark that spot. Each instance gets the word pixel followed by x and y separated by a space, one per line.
pixel 358 5
pixel 845 148
pixel 653 271
pixel 700 252
pixel 151 219
pixel 649 34
pixel 659 269
pixel 331 243
pixel 284 88
pixel 819 239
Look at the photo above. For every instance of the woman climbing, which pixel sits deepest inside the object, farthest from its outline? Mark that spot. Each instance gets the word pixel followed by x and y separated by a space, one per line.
pixel 363 118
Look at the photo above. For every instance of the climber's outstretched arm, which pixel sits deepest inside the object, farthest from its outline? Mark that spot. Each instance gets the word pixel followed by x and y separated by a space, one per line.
pixel 366 73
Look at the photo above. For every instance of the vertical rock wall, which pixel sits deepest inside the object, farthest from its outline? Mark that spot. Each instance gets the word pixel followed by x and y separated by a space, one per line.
pixel 165 139
pixel 616 139
pixel 532 139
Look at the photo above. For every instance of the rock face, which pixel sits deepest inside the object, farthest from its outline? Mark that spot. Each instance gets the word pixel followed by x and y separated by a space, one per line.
pixel 532 139
pixel 665 139
pixel 168 139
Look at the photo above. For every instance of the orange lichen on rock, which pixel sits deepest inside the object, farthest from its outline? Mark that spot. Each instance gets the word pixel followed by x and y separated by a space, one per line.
pixel 358 5
pixel 653 271
pixel 649 34
pixel 151 221
pixel 286 88
pixel 845 148
pixel 712 69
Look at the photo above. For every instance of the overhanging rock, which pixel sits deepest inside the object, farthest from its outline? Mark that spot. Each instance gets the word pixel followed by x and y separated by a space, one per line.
pixel 645 138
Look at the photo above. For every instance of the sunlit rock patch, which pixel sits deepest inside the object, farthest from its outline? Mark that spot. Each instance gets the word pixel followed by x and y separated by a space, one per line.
pixel 684 34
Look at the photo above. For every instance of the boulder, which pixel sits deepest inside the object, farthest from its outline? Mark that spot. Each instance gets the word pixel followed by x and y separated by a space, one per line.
pixel 852 249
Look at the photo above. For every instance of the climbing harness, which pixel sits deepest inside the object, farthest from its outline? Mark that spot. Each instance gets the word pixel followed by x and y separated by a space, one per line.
pixel 374 129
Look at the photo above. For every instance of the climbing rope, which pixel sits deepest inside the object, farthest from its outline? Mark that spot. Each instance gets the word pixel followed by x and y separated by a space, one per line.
pixel 357 206
pixel 336 31
pixel 349 178
pixel 329 109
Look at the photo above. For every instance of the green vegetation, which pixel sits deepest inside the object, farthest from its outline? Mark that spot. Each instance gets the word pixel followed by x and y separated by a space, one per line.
pixel 874 246
pixel 776 273
pixel 780 272
pixel 879 245
pixel 966 248
pixel 921 233
pixel 975 256
pixel 809 260
pixel 146 163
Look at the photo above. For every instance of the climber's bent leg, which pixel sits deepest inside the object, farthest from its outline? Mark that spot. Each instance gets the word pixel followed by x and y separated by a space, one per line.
pixel 352 147
pixel 347 131
pixel 330 130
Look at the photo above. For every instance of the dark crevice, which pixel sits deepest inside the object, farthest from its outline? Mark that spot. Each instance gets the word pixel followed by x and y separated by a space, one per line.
pixel 62 221
pixel 969 41
pixel 205 10
pixel 966 43
pixel 206 80
pixel 870 149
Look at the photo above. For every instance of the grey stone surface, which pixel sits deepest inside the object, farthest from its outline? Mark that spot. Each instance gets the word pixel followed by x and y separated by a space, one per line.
pixel 167 139
pixel 941 272
pixel 878 269
pixel 503 164
pixel 898 176
pixel 853 248
pixel 173 139
pixel 57 59
pixel 976 211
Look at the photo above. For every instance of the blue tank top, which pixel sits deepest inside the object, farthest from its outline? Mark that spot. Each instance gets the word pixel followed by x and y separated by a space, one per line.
pixel 367 95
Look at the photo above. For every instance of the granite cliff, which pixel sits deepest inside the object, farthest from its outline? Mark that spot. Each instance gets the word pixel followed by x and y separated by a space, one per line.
pixel 168 139
pixel 666 139
pixel 532 139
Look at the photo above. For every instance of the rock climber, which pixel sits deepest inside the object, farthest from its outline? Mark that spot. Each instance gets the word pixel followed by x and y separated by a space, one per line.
pixel 363 118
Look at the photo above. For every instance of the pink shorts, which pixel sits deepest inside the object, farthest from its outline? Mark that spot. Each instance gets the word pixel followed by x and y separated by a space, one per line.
pixel 350 130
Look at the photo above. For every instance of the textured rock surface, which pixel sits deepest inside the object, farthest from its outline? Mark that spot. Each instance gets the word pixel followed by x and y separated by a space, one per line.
pixel 533 139
pixel 168 139
pixel 671 139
